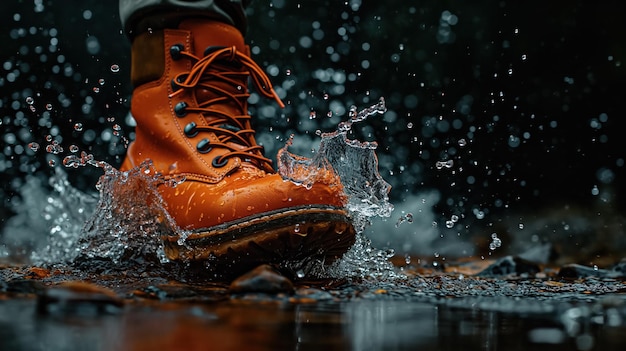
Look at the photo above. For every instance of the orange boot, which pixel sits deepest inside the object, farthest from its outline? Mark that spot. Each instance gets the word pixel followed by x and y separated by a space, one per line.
pixel 190 104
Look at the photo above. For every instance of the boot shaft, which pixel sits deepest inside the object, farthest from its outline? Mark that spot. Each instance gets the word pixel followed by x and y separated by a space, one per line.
pixel 190 101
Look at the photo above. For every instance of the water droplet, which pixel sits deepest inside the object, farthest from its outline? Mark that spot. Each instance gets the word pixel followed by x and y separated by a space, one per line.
pixel 115 68
pixel 300 273
pixel 296 228
pixel 408 217
pixel 30 100
pixel 52 163
pixel 449 224
pixel 407 259
pixel 312 115
pixel 48 138
pixel 73 148
pixel 288 72
pixel 444 164
pixel 101 81
pixel 409 125
pixel 326 96
pixel 454 218
pixel 182 238
pixel 78 127
pixel 71 161
pixel 495 242
pixel 480 214
pixel 116 129
pixel 344 127
pixel 54 148
pixel 49 107
pixel 34 146
pixel 96 90
pixel 521 226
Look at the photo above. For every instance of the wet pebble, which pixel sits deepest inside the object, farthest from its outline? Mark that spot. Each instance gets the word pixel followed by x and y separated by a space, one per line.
pixel 179 291
pixel 310 295
pixel 619 270
pixel 263 279
pixel 38 273
pixel 574 271
pixel 74 298
pixel 510 265
pixel 151 292
pixel 23 286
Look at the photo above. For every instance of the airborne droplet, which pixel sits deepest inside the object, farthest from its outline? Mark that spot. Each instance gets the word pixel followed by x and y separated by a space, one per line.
pixel 444 164
pixel 33 146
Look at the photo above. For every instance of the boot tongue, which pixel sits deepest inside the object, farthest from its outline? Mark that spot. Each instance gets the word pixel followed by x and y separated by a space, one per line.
pixel 211 34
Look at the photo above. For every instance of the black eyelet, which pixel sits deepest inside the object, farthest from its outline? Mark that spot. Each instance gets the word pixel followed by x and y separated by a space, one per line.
pixel 204 146
pixel 190 130
pixel 180 109
pixel 211 49
pixel 175 51
pixel 217 164
pixel 177 80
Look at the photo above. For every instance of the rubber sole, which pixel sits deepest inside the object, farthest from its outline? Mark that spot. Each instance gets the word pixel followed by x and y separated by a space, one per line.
pixel 282 236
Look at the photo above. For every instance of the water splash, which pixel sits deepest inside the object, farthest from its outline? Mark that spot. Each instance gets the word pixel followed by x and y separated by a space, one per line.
pixel 129 219
pixel 66 211
pixel 356 164
pixel 354 161
pixel 124 222
pixel 47 221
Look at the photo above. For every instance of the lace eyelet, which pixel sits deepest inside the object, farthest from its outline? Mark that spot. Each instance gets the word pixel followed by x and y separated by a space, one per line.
pixel 180 109
pixel 204 146
pixel 175 51
pixel 175 81
pixel 217 164
pixel 190 130
pixel 213 48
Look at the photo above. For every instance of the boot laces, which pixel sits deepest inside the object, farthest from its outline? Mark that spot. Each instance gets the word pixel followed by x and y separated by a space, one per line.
pixel 224 72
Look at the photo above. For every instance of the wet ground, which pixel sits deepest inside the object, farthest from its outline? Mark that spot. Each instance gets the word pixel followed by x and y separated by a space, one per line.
pixel 505 304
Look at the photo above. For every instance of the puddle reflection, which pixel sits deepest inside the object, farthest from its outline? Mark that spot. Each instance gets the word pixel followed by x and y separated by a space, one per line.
pixel 239 325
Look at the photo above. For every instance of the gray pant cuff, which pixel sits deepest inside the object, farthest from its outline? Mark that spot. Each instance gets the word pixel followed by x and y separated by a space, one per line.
pixel 139 15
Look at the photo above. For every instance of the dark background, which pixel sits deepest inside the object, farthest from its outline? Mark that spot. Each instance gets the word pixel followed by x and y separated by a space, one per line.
pixel 534 89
